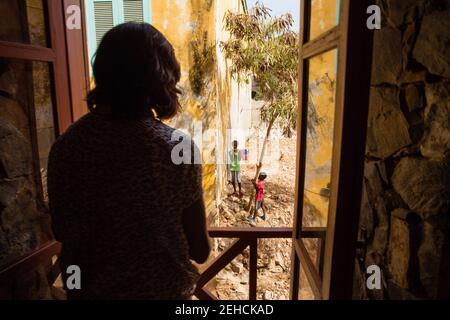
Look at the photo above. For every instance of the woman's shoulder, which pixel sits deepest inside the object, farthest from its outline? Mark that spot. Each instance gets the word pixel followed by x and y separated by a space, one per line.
pixel 75 129
pixel 166 134
pixel 87 121
pixel 160 130
pixel 82 131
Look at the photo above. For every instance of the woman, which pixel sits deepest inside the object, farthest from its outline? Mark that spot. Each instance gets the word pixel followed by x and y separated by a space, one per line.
pixel 125 213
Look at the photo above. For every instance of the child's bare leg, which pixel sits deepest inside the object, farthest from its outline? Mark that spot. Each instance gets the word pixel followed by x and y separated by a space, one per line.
pixel 252 218
pixel 253 215
pixel 257 211
pixel 264 217
pixel 233 181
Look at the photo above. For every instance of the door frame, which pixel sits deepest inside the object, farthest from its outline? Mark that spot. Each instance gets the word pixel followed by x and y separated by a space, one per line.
pixel 55 54
pixel 354 42
pixel 70 78
pixel 76 43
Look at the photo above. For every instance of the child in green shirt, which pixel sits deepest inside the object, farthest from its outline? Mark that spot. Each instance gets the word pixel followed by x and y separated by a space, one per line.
pixel 235 168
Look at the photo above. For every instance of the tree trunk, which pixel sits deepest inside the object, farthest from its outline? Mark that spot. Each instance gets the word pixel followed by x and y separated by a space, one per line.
pixel 288 130
pixel 260 162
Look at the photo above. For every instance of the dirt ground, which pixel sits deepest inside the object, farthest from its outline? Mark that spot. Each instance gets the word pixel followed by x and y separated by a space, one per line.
pixel 274 255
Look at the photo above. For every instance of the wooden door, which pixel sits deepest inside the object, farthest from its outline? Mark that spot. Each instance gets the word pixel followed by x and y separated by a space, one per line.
pixel 334 81
pixel 34 75
pixel 77 56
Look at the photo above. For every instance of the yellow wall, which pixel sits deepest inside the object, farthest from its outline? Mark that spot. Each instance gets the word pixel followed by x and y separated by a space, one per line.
pixel 324 16
pixel 322 91
pixel 183 22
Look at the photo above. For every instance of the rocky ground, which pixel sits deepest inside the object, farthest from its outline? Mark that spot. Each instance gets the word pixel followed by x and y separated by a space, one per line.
pixel 274 255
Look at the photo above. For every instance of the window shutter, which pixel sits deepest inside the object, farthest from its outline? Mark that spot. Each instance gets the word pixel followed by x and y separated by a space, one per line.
pixel 103 15
pixel 133 10
pixel 104 18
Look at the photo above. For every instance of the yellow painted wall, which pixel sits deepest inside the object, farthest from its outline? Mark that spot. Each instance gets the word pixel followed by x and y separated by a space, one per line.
pixel 324 16
pixel 184 22
pixel 322 79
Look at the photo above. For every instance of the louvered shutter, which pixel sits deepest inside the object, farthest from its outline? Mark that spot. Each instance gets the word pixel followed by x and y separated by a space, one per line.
pixel 103 15
pixel 133 10
pixel 104 18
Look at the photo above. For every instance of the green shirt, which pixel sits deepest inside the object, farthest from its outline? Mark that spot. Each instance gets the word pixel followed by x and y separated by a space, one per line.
pixel 235 160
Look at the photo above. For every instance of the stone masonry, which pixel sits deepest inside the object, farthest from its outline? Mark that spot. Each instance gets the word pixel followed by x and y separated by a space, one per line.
pixel 404 225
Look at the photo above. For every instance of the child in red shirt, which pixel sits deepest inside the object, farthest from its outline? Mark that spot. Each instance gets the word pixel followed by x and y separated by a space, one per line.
pixel 259 204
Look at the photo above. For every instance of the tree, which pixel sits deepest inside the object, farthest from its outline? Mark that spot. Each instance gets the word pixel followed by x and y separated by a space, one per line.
pixel 265 48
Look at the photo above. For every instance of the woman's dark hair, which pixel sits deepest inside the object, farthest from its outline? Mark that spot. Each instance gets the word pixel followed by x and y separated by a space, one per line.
pixel 135 70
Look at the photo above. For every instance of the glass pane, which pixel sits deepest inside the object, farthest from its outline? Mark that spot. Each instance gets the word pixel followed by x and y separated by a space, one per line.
pixel 321 109
pixel 25 87
pixel 23 21
pixel 45 118
pixel 324 16
pixel 305 292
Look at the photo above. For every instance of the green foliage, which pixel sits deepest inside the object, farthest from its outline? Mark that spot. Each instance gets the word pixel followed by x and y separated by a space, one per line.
pixel 266 49
pixel 203 55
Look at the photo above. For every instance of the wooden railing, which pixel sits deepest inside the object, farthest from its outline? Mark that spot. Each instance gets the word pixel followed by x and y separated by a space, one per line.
pixel 245 237
pixel 248 237
pixel 26 264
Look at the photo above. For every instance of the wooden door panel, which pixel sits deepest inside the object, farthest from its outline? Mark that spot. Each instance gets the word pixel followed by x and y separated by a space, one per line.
pixel 334 87
pixel 76 51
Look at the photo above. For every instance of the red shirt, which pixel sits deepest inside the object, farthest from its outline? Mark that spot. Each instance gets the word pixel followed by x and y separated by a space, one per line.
pixel 260 191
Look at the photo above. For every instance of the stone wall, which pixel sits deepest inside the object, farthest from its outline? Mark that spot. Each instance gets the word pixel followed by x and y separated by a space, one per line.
pixel 24 88
pixel 404 226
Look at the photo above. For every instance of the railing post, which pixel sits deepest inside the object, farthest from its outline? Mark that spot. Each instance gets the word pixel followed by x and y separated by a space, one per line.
pixel 321 254
pixel 253 273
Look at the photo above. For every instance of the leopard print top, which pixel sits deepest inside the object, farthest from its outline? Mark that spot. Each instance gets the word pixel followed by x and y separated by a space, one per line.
pixel 116 201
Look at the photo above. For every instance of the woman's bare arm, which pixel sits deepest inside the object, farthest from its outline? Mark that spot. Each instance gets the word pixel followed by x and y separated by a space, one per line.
pixel 194 224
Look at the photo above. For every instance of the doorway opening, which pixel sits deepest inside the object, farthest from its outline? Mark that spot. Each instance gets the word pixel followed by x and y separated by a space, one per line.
pixel 286 103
